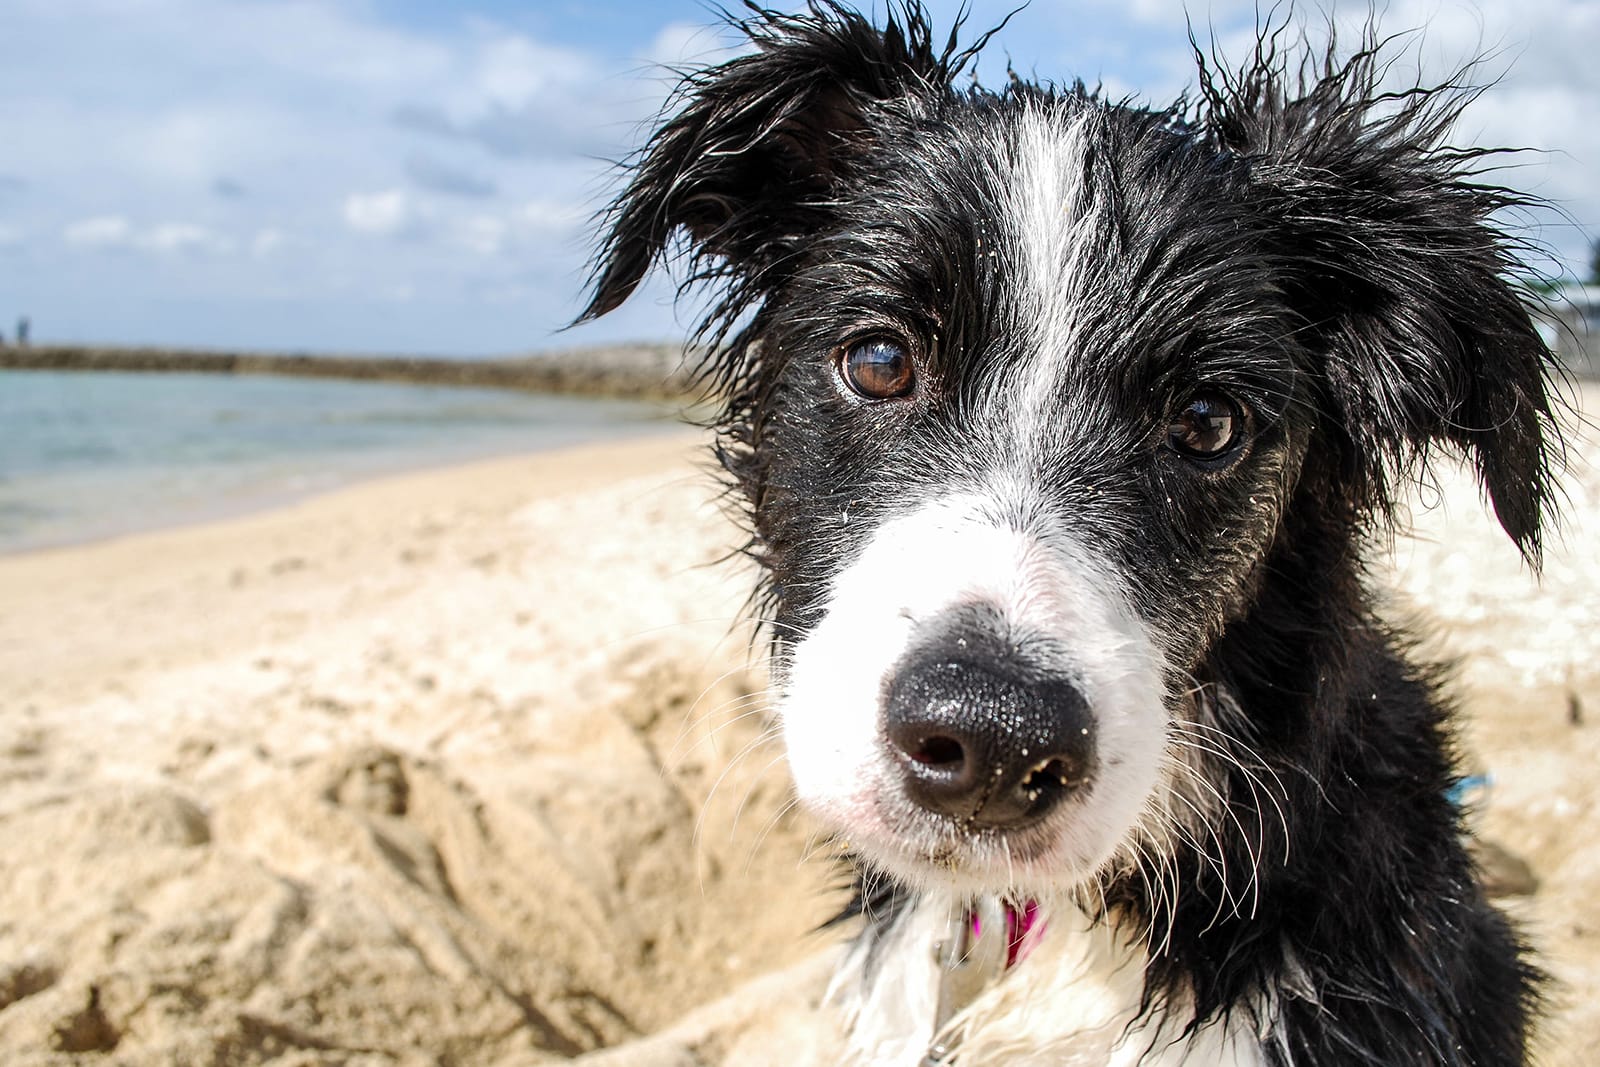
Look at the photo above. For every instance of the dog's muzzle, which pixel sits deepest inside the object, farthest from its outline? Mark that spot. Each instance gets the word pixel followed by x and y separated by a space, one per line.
pixel 985 740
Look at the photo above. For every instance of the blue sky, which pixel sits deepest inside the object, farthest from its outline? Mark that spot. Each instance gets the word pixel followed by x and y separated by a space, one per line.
pixel 408 176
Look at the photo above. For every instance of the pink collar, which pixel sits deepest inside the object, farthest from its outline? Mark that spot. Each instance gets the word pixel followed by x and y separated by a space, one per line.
pixel 1019 924
pixel 970 962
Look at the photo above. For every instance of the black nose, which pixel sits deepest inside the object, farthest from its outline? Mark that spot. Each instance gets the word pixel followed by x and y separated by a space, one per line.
pixel 985 744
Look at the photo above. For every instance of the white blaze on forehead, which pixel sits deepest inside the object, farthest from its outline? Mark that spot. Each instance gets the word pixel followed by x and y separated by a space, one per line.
pixel 1047 210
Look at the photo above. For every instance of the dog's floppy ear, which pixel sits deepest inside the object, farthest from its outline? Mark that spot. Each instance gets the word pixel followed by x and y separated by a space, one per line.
pixel 1390 252
pixel 747 165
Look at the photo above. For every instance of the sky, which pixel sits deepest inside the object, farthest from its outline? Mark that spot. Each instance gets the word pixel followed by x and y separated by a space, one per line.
pixel 401 176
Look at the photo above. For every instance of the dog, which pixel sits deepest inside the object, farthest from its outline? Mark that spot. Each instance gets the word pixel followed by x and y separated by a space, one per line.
pixel 1062 425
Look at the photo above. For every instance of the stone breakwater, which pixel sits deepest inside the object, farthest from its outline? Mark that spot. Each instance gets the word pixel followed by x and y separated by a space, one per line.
pixel 643 372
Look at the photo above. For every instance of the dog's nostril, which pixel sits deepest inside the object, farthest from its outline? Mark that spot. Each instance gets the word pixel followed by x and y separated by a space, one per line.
pixel 1052 772
pixel 939 752
pixel 1049 779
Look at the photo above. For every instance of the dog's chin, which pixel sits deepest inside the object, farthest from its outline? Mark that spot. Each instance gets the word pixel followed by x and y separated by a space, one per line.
pixel 933 852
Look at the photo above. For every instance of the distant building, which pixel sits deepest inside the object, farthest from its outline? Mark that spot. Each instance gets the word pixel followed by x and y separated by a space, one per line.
pixel 1570 325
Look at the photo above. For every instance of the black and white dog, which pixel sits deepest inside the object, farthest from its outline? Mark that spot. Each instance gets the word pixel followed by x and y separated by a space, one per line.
pixel 1063 424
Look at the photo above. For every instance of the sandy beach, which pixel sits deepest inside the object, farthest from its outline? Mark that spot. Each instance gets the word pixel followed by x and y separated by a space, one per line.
pixel 472 766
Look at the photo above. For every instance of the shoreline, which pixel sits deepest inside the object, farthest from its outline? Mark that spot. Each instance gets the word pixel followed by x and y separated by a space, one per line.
pixel 619 452
pixel 641 371
pixel 242 447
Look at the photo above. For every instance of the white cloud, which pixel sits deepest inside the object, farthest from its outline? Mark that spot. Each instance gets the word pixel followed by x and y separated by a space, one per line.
pixel 114 231
pixel 510 71
pixel 484 235
pixel 535 226
pixel 389 213
pixel 171 238
pixel 266 242
pixel 181 237
pixel 102 231
pixel 549 216
pixel 683 44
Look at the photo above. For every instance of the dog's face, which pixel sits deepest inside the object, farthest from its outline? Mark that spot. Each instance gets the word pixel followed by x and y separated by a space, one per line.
pixel 1024 391
pixel 1025 450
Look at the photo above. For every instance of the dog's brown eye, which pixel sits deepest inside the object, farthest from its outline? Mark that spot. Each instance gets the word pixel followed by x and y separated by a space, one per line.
pixel 878 368
pixel 1207 426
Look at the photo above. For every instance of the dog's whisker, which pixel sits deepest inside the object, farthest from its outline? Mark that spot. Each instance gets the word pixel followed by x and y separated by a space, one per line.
pixel 673 761
pixel 816 841
pixel 1258 786
pixel 1228 809
pixel 772 822
pixel 697 716
pixel 1229 900
pixel 756 744
pixel 714 721
pixel 1218 861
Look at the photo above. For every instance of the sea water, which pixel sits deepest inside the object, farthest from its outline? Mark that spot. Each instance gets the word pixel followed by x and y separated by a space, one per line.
pixel 88 455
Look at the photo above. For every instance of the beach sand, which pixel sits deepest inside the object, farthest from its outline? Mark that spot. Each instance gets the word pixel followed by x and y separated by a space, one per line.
pixel 472 767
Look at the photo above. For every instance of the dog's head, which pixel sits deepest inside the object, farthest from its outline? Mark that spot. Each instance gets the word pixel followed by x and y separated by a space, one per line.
pixel 1026 390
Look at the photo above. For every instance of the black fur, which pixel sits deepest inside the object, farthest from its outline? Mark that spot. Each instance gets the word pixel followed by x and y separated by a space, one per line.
pixel 1297 235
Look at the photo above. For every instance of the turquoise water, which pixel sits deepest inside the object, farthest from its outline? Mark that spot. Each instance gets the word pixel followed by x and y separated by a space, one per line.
pixel 85 456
